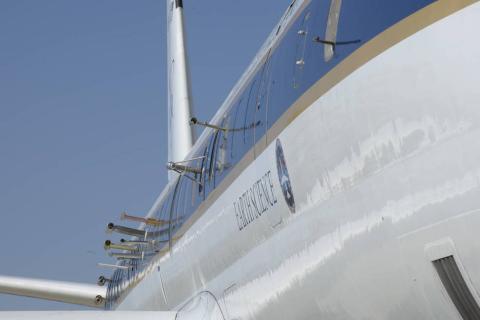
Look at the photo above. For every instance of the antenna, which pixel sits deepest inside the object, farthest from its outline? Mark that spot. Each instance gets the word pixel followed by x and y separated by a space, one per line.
pixel 111 227
pixel 125 230
pixel 112 266
pixel 137 242
pixel 149 221
pixel 110 245
pixel 181 168
pixel 180 134
pixel 126 256
pixel 195 121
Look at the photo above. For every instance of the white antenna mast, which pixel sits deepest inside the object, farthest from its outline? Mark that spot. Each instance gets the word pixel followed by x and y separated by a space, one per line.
pixel 180 133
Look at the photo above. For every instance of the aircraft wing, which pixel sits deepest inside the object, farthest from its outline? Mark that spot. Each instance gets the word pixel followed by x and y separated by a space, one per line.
pixel 202 307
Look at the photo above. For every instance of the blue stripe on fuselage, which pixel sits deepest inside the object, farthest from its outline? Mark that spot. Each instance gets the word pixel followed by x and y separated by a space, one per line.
pixel 359 20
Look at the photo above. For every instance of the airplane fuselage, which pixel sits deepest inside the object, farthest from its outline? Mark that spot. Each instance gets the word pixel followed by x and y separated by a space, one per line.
pixel 346 169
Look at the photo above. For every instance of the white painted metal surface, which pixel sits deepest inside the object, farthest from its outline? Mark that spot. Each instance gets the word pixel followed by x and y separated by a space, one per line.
pixel 87 315
pixel 180 133
pixel 382 166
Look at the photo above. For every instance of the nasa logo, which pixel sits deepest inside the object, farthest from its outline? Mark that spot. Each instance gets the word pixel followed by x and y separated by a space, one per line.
pixel 284 177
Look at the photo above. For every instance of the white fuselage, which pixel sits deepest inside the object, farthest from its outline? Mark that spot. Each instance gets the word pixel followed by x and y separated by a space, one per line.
pixel 385 172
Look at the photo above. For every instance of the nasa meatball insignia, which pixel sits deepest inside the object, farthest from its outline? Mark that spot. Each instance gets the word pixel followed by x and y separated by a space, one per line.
pixel 284 177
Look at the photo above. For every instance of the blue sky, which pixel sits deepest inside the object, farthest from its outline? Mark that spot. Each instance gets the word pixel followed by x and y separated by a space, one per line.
pixel 83 129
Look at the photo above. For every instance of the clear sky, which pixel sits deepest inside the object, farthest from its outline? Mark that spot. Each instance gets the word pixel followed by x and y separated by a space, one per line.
pixel 83 129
